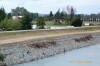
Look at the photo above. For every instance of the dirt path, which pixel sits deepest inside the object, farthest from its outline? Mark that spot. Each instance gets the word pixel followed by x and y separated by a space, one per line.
pixel 40 36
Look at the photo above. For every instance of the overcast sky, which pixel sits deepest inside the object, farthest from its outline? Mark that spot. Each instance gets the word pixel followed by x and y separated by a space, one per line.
pixel 45 6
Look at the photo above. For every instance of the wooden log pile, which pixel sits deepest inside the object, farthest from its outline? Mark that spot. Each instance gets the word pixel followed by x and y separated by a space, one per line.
pixel 42 44
pixel 85 38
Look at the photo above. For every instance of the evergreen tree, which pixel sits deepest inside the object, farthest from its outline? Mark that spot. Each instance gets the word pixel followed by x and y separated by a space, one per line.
pixel 35 16
pixel 50 16
pixel 26 22
pixel 62 15
pixel 2 14
pixel 57 17
pixel 9 15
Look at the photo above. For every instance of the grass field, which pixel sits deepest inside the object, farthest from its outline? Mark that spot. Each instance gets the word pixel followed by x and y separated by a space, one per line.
pixel 51 23
pixel 54 30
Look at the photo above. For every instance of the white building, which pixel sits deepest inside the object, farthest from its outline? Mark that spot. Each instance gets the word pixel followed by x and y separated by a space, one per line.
pixel 16 17
pixel 86 24
pixel 34 26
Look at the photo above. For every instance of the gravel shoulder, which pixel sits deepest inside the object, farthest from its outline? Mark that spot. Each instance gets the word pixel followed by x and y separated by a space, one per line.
pixel 42 35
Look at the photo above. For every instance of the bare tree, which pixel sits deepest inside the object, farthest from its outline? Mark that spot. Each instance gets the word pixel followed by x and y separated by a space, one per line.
pixel 71 12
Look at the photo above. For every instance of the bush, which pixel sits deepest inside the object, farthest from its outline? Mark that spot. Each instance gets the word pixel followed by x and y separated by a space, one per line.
pixel 40 23
pixel 9 24
pixel 2 57
pixel 76 22
pixel 15 25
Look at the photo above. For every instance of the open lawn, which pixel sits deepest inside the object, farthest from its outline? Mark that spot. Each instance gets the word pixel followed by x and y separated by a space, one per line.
pixel 51 23
pixel 41 31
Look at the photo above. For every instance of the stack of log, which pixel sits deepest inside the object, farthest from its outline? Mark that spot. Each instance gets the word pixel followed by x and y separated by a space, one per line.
pixel 85 38
pixel 43 44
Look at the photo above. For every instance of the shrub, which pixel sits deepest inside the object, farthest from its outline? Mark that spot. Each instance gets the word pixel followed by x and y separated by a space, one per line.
pixel 2 57
pixel 9 24
pixel 40 23
pixel 76 22
pixel 15 25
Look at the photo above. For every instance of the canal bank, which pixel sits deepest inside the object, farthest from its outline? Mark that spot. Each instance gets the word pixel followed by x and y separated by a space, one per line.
pixel 17 53
pixel 87 56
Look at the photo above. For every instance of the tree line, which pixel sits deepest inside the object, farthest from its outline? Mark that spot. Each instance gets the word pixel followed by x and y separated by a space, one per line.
pixel 91 17
pixel 25 23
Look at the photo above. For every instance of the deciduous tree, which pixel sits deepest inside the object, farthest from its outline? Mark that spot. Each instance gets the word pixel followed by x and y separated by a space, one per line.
pixel 40 23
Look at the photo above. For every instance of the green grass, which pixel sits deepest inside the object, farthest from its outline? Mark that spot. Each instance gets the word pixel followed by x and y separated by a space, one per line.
pixel 18 33
pixel 51 23
pixel 41 31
